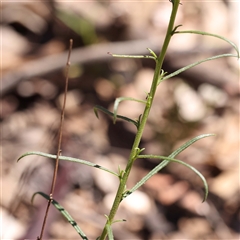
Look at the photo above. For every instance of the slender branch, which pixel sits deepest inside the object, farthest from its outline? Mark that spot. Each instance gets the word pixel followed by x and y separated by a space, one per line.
pixel 59 142
pixel 135 148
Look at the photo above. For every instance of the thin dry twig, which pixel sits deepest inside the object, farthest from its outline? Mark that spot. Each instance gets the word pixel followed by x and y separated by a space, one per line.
pixel 59 141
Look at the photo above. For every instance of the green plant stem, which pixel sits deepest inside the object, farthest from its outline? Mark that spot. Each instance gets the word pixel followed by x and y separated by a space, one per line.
pixel 135 147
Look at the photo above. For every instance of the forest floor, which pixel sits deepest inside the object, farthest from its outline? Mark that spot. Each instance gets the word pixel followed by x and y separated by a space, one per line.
pixel 205 99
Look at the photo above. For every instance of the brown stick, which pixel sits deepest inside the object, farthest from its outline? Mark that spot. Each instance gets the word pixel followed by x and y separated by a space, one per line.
pixel 93 53
pixel 59 142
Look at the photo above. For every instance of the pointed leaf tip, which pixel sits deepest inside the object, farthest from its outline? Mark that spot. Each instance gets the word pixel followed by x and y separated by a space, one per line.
pixel 96 112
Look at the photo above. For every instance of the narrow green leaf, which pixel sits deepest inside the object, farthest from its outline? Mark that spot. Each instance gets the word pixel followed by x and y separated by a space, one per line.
pixel 97 107
pixel 153 53
pixel 64 213
pixel 119 220
pixel 212 35
pixel 117 102
pixel 68 159
pixel 189 143
pixel 175 28
pixel 183 163
pixel 165 162
pixel 195 64
pixel 131 56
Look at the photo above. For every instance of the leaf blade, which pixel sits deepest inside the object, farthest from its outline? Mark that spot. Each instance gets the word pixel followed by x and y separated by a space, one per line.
pixel 64 158
pixel 211 35
pixel 165 162
pixel 117 102
pixel 97 107
pixel 64 213
pixel 195 64
pixel 186 165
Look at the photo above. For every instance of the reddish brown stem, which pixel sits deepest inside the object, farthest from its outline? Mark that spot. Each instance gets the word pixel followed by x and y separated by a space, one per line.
pixel 59 142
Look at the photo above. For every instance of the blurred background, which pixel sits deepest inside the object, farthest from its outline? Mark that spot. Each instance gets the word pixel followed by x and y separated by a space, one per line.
pixel 205 99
